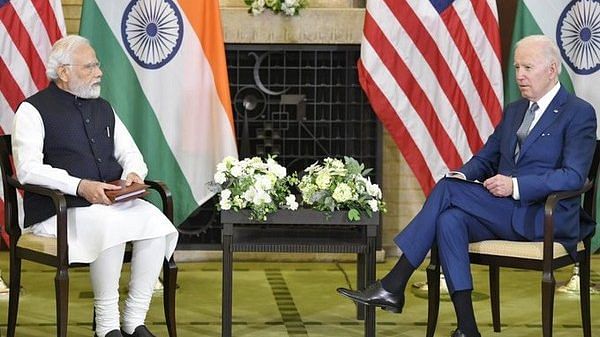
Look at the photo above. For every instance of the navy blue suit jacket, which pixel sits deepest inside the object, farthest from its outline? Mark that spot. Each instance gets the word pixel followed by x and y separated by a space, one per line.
pixel 555 156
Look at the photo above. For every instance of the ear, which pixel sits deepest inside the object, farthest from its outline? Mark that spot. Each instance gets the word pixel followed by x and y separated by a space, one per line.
pixel 553 70
pixel 62 73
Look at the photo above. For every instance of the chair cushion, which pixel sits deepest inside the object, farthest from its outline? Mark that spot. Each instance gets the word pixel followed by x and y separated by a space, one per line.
pixel 526 250
pixel 38 243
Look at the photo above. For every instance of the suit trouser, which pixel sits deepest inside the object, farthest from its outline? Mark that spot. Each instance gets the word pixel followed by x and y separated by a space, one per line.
pixel 456 213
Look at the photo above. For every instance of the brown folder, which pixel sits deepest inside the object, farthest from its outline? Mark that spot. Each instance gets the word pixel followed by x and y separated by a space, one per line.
pixel 135 190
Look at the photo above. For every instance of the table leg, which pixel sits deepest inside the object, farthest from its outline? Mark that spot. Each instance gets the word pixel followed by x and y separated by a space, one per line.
pixel 370 278
pixel 361 269
pixel 226 296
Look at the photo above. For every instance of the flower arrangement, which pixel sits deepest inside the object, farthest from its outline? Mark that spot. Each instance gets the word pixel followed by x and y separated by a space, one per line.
pixel 288 7
pixel 263 187
pixel 341 185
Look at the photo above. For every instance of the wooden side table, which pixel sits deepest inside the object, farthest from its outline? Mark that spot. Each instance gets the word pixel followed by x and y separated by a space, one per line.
pixel 301 231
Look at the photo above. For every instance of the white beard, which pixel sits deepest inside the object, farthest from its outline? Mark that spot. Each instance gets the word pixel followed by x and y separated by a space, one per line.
pixel 84 91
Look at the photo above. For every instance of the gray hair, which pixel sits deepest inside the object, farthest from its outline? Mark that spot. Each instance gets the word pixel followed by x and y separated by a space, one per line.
pixel 548 48
pixel 62 52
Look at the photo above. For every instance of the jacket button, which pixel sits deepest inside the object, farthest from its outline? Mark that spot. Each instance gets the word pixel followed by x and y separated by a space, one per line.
pixel 92 140
pixel 99 160
pixel 87 120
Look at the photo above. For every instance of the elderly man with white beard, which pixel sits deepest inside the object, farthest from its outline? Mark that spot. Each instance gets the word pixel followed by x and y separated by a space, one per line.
pixel 66 137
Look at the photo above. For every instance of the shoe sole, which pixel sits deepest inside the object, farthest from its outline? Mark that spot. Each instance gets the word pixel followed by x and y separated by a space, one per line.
pixel 389 308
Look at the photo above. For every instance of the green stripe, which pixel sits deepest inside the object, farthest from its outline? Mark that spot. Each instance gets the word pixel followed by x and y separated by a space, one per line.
pixel 122 89
pixel 525 25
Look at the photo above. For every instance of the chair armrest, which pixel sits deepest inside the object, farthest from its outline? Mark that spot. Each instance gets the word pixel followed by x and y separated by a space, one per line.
pixel 60 206
pixel 165 196
pixel 551 202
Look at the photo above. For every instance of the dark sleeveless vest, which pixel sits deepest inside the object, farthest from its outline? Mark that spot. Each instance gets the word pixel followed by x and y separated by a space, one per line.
pixel 78 138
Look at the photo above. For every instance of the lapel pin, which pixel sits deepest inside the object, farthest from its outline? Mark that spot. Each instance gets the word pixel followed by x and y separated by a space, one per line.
pixel 555 111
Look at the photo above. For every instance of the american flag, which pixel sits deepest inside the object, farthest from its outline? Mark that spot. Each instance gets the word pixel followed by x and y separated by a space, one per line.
pixel 432 72
pixel 28 29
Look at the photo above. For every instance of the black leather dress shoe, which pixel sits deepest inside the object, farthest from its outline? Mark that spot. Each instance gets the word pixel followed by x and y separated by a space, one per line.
pixel 458 333
pixel 140 331
pixel 377 296
pixel 112 333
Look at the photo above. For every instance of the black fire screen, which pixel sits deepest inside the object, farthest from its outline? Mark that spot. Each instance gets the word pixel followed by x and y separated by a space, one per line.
pixel 300 102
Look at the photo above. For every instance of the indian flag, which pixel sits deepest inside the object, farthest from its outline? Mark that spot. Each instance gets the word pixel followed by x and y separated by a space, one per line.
pixel 165 76
pixel 575 26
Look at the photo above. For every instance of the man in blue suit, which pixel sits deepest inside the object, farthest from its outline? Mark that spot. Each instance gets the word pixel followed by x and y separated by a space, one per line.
pixel 544 144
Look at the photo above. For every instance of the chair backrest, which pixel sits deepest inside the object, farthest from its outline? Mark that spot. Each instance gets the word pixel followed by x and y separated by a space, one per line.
pixel 10 193
pixel 589 199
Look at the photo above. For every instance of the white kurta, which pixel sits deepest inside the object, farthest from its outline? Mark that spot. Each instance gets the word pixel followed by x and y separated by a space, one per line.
pixel 97 227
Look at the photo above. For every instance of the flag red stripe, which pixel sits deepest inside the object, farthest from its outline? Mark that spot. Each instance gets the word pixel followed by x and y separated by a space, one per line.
pixel 432 55
pixel 489 22
pixel 415 94
pixel 46 13
pixel 386 112
pixel 482 84
pixel 9 87
pixel 20 37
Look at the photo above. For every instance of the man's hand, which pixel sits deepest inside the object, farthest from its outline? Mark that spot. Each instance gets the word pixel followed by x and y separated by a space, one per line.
pixel 93 191
pixel 133 178
pixel 499 185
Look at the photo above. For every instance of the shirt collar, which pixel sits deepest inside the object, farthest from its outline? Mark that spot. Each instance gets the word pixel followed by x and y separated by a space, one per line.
pixel 545 101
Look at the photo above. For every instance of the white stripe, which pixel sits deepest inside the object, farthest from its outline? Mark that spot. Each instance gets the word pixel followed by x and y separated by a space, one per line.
pixel 457 65
pixel 427 80
pixel 60 18
pixel 34 27
pixel 16 63
pixel 6 116
pixel 487 57
pixel 189 110
pixel 408 116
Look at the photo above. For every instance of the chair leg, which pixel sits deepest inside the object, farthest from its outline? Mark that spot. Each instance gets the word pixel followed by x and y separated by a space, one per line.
pixel 584 293
pixel 548 284
pixel 13 294
pixel 494 275
pixel 433 293
pixel 170 284
pixel 61 284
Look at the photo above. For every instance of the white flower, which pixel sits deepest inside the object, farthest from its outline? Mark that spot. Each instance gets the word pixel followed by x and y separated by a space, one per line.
pixel 261 197
pixel 373 190
pixel 225 203
pixel 291 203
pixel 253 184
pixel 323 180
pixel 374 204
pixel 237 171
pixel 220 177
pixel 225 194
pixel 340 185
pixel 342 193
pixel 276 169
pixel 264 182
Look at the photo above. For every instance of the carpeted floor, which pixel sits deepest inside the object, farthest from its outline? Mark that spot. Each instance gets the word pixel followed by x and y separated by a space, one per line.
pixel 296 299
